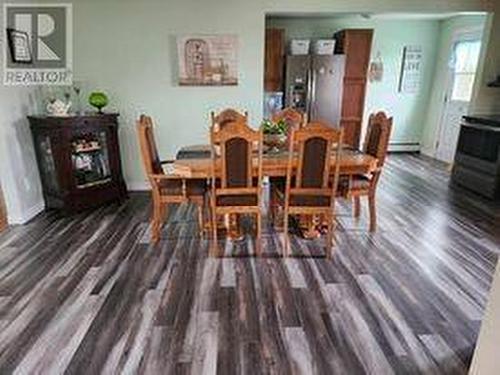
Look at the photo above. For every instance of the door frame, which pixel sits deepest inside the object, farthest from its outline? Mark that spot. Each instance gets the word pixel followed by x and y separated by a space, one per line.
pixel 462 34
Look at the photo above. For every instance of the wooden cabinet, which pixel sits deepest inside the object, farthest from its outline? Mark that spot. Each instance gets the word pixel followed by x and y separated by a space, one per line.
pixel 274 59
pixel 79 160
pixel 356 45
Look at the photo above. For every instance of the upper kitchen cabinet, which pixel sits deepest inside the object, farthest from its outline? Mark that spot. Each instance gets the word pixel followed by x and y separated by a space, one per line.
pixel 356 45
pixel 274 59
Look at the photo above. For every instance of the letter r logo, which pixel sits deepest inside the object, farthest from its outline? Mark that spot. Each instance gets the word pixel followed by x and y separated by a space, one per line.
pixel 39 44
pixel 46 26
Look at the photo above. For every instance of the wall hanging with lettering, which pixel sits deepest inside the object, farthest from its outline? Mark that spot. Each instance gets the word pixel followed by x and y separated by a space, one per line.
pixel 411 70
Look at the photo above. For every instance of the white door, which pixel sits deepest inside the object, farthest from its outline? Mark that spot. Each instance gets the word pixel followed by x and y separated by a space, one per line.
pixel 463 64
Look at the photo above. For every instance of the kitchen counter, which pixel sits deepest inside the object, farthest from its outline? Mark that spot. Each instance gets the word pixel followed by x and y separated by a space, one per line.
pixel 491 120
pixel 477 160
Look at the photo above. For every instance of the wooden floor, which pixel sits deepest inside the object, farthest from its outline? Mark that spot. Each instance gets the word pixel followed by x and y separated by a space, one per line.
pixel 89 295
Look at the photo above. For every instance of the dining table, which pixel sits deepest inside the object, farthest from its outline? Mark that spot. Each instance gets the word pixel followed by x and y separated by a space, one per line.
pixel 195 162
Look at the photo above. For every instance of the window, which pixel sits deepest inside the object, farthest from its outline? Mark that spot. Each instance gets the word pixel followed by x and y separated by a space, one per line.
pixel 465 59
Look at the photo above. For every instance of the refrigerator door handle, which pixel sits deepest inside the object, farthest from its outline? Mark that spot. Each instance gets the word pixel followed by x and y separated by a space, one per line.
pixel 308 99
pixel 313 93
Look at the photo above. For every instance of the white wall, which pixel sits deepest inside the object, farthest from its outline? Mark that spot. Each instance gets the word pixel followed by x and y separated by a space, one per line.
pixel 20 178
pixel 448 30
pixel 127 48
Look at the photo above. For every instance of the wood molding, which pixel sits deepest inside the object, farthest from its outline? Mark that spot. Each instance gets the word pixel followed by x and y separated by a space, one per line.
pixel 274 59
pixel 3 212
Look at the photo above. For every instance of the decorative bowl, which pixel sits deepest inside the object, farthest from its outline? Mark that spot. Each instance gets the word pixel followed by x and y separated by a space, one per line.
pixel 98 100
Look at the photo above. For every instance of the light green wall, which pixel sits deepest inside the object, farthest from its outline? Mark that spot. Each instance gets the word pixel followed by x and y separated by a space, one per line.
pixel 129 50
pixel 390 36
pixel 448 28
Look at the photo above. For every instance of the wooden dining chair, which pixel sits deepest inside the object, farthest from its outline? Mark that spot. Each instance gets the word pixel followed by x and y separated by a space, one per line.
pixel 292 117
pixel 310 188
pixel 165 188
pixel 234 188
pixel 226 116
pixel 295 120
pixel 376 144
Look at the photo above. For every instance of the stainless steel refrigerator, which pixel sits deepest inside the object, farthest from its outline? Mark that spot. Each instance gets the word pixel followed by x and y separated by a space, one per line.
pixel 314 85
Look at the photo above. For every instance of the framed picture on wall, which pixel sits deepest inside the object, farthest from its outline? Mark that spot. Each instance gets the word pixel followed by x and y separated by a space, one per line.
pixel 411 70
pixel 208 60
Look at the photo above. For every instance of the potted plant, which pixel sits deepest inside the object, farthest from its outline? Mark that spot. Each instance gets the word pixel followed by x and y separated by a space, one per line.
pixel 275 134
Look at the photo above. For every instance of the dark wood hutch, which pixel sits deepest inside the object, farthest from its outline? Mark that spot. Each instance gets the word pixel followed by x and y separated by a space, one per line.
pixel 79 160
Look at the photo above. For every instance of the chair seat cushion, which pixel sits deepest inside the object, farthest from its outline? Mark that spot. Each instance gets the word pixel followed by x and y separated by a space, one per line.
pixel 194 187
pixel 309 200
pixel 279 187
pixel 237 200
pixel 360 182
pixel 255 181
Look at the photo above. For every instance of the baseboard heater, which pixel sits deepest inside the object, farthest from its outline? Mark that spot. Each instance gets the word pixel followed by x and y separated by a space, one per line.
pixel 404 147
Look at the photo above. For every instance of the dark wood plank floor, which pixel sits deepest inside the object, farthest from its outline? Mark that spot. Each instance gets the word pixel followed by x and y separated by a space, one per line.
pixel 89 294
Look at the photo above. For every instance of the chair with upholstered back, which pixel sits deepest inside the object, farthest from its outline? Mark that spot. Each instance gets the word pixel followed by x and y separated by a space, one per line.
pixel 294 120
pixel 234 188
pixel 165 188
pixel 311 183
pixel 376 144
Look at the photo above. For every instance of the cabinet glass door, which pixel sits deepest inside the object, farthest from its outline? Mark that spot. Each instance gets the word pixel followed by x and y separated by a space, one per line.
pixel 90 159
pixel 48 171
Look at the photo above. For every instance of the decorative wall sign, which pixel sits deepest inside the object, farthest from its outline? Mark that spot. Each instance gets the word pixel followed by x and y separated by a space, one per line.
pixel 411 69
pixel 208 60
pixel 376 70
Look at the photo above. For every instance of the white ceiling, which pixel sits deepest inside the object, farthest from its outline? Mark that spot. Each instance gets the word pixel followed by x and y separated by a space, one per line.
pixel 368 15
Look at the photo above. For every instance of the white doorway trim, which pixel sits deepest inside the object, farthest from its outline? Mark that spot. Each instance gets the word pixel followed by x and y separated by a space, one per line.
pixel 460 35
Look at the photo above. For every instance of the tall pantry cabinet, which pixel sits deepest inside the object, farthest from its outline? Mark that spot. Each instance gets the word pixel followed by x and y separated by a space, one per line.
pixel 355 44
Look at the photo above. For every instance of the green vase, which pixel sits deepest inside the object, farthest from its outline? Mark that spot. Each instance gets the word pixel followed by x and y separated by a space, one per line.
pixel 98 100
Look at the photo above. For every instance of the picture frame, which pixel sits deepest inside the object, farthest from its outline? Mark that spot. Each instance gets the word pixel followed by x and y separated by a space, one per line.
pixel 19 46
pixel 208 60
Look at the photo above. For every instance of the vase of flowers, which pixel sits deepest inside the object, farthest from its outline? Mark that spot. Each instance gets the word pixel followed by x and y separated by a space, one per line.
pixel 275 135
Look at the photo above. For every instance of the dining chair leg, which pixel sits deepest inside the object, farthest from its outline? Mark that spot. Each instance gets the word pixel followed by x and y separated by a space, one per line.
pixel 258 240
pixel 156 223
pixel 357 207
pixel 215 245
pixel 200 219
pixel 286 237
pixel 213 215
pixel 329 238
pixel 373 212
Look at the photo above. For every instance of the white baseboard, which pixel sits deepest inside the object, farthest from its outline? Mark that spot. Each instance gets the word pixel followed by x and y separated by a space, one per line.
pixel 404 147
pixel 428 152
pixel 138 186
pixel 27 215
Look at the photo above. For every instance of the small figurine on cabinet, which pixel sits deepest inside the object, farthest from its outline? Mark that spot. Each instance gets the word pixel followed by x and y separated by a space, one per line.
pixel 57 107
